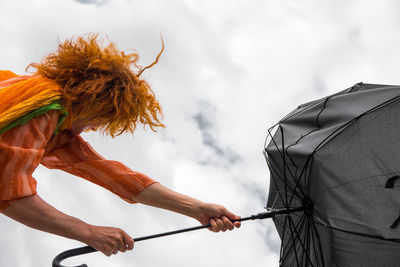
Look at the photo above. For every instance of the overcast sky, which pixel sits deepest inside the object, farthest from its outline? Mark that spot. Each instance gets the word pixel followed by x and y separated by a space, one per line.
pixel 230 70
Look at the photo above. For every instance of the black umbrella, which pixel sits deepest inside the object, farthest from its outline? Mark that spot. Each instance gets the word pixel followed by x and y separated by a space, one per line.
pixel 339 158
pixel 334 163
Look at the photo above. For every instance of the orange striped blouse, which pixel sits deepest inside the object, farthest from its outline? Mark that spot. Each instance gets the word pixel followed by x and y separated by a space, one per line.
pixel 24 147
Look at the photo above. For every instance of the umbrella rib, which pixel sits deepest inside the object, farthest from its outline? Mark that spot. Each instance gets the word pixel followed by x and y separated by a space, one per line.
pixel 307 108
pixel 319 246
pixel 269 134
pixel 311 241
pixel 293 240
pixel 314 247
pixel 300 197
pixel 298 140
pixel 283 238
pixel 284 166
pixel 307 183
pixel 278 191
pixel 301 222
pixel 318 125
pixel 307 239
pixel 299 237
pixel 297 182
pixel 282 198
pixel 302 173
pixel 273 180
pixel 288 185
pixel 283 234
pixel 280 151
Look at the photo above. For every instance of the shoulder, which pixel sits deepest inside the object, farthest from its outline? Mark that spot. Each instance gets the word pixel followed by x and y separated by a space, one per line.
pixel 35 133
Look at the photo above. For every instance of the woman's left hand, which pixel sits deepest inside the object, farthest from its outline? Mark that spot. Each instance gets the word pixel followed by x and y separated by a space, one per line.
pixel 216 215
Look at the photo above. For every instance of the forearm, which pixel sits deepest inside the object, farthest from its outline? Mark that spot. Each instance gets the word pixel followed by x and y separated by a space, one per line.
pixel 34 212
pixel 159 196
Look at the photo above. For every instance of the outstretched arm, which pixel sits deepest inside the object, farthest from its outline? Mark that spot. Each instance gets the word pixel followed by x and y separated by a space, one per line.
pixel 80 159
pixel 157 195
pixel 34 212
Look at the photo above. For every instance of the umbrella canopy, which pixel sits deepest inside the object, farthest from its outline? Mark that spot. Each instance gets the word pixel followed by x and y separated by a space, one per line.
pixel 339 158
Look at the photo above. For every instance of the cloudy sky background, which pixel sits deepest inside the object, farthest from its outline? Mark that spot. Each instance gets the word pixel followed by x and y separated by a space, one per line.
pixel 230 70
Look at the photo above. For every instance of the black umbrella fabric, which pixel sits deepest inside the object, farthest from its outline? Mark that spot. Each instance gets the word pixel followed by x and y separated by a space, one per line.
pixel 339 158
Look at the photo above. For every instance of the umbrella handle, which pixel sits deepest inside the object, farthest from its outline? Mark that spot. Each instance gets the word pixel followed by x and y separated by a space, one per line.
pixel 71 253
pixel 84 250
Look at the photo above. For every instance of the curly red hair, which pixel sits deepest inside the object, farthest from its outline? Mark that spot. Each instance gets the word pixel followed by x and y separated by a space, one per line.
pixel 100 87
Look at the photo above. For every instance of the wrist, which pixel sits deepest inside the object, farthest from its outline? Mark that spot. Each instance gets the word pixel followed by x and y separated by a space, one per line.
pixel 86 233
pixel 191 207
pixel 197 210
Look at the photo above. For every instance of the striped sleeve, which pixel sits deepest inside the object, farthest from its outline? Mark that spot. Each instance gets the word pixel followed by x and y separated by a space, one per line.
pixel 21 150
pixel 80 159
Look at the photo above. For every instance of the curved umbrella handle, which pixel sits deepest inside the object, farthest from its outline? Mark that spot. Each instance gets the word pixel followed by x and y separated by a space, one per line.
pixel 84 250
pixel 71 253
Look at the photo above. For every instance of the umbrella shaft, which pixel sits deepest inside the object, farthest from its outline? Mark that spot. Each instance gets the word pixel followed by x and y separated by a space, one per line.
pixel 259 216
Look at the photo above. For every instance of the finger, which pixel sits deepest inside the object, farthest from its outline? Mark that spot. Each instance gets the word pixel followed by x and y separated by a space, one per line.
pixel 130 244
pixel 107 253
pixel 210 228
pixel 221 225
pixel 214 226
pixel 128 240
pixel 228 224
pixel 230 215
pixel 108 250
pixel 118 243
pixel 237 224
pixel 122 246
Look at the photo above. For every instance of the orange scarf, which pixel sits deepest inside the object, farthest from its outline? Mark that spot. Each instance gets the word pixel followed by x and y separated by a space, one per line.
pixel 25 97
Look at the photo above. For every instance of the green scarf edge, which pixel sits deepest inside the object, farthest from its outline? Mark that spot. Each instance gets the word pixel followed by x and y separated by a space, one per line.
pixel 36 113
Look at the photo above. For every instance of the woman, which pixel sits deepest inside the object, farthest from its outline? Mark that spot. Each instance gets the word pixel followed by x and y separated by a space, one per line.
pixel 82 87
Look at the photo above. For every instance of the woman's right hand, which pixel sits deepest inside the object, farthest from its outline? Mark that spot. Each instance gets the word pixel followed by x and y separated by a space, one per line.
pixel 34 212
pixel 109 240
